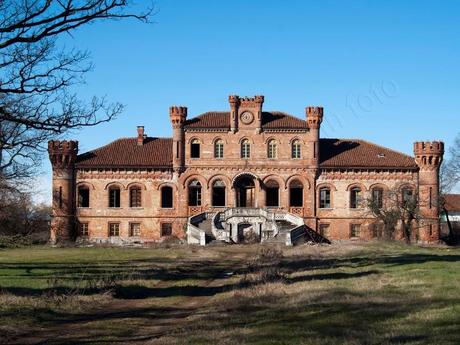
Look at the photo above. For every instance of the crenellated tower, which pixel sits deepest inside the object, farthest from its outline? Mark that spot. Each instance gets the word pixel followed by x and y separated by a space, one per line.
pixel 428 156
pixel 178 115
pixel 314 120
pixel 62 155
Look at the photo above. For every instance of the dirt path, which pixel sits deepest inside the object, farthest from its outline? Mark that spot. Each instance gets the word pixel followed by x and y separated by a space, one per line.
pixel 150 320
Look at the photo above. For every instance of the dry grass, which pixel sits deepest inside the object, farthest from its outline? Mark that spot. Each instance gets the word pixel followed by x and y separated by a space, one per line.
pixel 375 293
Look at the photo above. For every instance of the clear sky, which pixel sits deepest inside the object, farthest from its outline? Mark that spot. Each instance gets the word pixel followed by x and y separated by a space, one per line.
pixel 384 71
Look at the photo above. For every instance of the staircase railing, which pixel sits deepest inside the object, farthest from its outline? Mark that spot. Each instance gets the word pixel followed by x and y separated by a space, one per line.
pixel 196 235
pixel 292 236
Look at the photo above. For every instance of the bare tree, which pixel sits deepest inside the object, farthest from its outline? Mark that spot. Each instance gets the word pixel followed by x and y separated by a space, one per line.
pixel 398 207
pixel 36 76
pixel 450 178
pixel 450 169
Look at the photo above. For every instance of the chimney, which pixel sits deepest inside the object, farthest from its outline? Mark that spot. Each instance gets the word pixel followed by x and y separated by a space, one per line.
pixel 140 135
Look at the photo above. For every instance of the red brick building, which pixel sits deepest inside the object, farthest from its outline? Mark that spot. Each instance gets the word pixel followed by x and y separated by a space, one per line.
pixel 227 175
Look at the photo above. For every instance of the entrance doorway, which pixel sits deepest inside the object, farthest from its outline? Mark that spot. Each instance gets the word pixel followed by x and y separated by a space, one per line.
pixel 245 191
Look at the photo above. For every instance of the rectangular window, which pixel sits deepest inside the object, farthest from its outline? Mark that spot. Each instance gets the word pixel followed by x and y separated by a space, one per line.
pixel 134 229
pixel 219 150
pixel 195 149
pixel 83 229
pixel 324 230
pixel 295 153
pixel 295 197
pixel 83 197
pixel 355 230
pixel 377 230
pixel 135 196
pixel 166 197
pixel 114 197
pixel 377 197
pixel 166 229
pixel 60 197
pixel 355 198
pixel 407 195
pixel 114 229
pixel 245 149
pixel 325 198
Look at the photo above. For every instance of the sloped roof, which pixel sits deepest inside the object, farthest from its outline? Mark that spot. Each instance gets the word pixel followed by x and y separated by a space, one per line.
pixel 452 202
pixel 337 153
pixel 221 120
pixel 155 152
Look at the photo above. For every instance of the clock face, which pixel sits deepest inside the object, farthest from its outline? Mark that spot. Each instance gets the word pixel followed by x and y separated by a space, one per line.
pixel 247 117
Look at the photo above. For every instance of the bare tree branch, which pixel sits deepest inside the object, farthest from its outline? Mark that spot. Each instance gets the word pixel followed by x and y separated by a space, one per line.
pixel 36 77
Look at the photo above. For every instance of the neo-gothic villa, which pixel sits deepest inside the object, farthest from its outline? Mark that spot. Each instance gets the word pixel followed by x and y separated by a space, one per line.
pixel 236 175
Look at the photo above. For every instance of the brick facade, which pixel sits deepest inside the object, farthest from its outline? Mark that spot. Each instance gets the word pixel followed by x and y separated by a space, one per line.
pixel 123 182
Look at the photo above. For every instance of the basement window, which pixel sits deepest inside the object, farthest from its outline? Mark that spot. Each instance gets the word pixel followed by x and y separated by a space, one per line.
pixel 114 229
pixel 134 229
pixel 166 229
pixel 355 230
pixel 83 229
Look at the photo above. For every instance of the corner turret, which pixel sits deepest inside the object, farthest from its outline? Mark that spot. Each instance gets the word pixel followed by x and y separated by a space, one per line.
pixel 428 156
pixel 63 155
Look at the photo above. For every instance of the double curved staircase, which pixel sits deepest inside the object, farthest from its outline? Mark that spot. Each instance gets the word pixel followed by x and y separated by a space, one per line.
pixel 237 225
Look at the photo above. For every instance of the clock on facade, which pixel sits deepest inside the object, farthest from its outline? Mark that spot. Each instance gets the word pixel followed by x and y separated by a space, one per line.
pixel 246 117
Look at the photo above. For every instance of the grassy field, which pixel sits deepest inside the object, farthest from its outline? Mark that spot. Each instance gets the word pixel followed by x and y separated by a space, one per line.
pixel 374 293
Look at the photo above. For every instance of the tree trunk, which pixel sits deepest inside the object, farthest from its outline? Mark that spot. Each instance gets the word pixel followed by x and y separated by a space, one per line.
pixel 450 238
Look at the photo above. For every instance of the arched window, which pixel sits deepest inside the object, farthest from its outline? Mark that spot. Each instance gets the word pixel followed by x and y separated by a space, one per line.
pixel 135 197
pixel 195 149
pixel 114 196
pixel 219 149
pixel 407 195
pixel 377 197
pixel 83 196
pixel 296 152
pixel 355 197
pixel 325 198
pixel 166 197
pixel 218 193
pixel 194 193
pixel 272 150
pixel 245 149
pixel 272 193
pixel 296 194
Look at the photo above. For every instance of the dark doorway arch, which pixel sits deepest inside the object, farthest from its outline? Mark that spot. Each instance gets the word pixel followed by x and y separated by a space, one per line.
pixel 245 191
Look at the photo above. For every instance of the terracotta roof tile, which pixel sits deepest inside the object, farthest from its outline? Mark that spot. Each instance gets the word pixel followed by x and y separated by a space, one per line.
pixel 277 119
pixel 270 120
pixel 452 202
pixel 156 152
pixel 360 153
pixel 212 119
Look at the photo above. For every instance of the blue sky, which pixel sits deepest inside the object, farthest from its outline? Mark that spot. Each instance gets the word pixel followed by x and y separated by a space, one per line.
pixel 384 71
